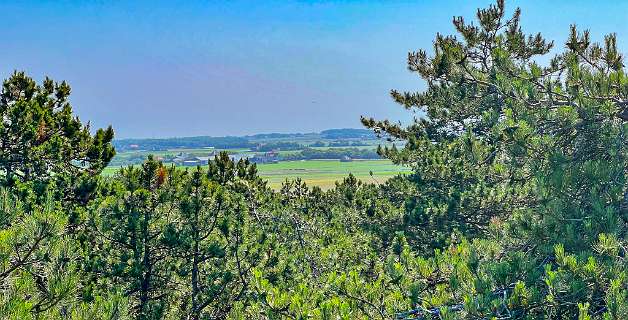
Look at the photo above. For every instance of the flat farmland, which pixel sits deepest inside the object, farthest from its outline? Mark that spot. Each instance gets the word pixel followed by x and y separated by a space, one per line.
pixel 322 173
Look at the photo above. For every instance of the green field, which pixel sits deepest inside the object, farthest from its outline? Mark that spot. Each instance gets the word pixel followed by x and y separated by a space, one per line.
pixel 322 173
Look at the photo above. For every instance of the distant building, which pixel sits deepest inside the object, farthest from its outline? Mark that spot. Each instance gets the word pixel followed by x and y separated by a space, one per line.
pixel 239 156
pixel 190 160
pixel 190 163
pixel 272 153
pixel 268 157
pixel 180 158
pixel 203 160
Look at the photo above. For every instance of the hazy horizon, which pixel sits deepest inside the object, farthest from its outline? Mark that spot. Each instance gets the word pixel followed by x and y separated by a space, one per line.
pixel 156 70
pixel 238 135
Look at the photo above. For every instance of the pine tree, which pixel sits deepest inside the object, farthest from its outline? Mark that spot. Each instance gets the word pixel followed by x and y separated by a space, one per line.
pixel 529 160
pixel 38 267
pixel 134 225
pixel 42 141
pixel 207 211
pixel 49 165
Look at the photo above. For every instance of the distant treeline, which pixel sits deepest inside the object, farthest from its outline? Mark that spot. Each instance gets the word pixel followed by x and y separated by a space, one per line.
pixel 336 153
pixel 252 141
pixel 279 135
pixel 185 142
pixel 348 134
pixel 286 146
pixel 340 143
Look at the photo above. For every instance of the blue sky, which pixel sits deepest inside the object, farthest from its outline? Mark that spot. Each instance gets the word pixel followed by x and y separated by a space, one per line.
pixel 161 69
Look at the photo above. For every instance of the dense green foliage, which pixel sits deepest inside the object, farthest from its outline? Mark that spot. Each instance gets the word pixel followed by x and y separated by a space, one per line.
pixel 42 143
pixel 49 167
pixel 516 207
pixel 529 160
